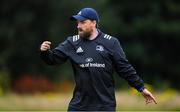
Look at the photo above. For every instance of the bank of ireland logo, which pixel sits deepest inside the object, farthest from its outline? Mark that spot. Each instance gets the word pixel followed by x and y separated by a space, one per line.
pixel 89 59
pixel 89 63
pixel 99 48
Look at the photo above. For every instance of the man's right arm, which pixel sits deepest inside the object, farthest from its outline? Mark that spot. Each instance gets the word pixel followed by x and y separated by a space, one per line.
pixel 54 56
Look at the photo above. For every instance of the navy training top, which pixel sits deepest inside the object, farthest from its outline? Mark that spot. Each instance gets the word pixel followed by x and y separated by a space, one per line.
pixel 93 63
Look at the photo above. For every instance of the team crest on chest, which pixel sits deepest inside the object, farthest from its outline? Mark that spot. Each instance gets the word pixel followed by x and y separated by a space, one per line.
pixel 99 48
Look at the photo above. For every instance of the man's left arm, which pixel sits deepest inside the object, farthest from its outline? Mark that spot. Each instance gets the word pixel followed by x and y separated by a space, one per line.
pixel 126 71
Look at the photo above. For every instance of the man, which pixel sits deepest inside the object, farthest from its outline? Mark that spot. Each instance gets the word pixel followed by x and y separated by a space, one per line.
pixel 94 56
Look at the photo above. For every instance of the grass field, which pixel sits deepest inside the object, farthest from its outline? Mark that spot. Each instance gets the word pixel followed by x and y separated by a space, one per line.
pixel 126 101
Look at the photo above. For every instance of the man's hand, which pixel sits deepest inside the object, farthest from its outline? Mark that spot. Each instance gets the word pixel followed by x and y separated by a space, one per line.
pixel 45 46
pixel 148 96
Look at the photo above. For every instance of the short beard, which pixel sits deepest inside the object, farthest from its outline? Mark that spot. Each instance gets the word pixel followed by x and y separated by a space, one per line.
pixel 85 35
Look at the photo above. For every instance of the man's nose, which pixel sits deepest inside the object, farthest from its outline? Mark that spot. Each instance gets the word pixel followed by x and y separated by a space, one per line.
pixel 78 25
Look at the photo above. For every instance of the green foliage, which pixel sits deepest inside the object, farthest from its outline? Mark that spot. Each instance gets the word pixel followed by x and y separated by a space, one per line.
pixel 4 82
pixel 147 30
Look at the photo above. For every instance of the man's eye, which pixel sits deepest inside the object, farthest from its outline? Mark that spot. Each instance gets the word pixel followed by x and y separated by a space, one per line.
pixel 83 22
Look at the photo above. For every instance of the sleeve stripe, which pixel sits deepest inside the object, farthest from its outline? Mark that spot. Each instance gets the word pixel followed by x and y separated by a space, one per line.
pixel 75 38
pixel 107 36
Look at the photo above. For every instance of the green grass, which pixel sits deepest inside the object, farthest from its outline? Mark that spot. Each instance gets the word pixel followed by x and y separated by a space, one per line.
pixel 65 111
pixel 126 101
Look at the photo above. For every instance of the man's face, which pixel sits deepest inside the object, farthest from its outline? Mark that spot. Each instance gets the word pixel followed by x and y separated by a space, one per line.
pixel 85 28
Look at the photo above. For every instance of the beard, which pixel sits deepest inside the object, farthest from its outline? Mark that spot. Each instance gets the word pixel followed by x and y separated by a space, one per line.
pixel 84 34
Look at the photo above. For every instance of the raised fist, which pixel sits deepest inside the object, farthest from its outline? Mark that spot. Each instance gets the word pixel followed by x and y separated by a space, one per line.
pixel 45 46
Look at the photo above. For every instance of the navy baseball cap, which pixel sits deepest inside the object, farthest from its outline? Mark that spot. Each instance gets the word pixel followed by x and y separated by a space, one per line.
pixel 86 13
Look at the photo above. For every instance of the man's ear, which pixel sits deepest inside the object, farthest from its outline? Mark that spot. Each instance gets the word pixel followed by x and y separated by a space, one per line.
pixel 94 22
